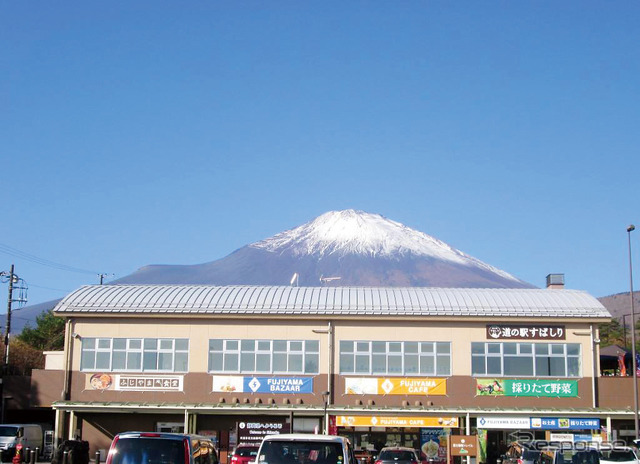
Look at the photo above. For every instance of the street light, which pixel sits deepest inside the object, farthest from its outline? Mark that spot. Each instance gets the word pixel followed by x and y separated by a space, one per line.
pixel 325 421
pixel 630 229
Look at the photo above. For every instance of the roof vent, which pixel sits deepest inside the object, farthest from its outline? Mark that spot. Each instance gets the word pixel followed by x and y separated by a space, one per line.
pixel 555 281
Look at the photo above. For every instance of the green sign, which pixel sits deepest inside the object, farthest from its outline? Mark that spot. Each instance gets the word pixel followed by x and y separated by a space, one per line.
pixel 527 387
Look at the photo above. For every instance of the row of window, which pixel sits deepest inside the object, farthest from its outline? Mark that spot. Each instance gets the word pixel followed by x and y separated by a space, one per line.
pixel 356 357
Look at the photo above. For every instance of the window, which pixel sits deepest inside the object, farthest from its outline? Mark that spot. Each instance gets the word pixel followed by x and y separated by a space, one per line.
pixel 525 359
pixel 264 356
pixel 135 354
pixel 395 358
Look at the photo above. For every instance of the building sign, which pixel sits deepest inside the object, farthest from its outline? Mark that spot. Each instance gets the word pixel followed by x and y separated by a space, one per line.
pixel 503 422
pixel 527 387
pixel 541 423
pixel 567 423
pixel 251 431
pixel 395 386
pixel 463 445
pixel 276 385
pixel 525 332
pixel 103 381
pixel 395 421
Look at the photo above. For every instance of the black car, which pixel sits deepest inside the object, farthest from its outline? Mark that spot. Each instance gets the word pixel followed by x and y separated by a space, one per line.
pixel 161 448
pixel 397 455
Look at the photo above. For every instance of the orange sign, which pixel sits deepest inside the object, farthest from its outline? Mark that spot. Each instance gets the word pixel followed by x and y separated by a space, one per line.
pixel 464 445
pixel 395 386
pixel 395 421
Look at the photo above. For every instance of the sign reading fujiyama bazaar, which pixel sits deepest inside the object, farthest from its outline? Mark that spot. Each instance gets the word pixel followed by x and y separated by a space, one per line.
pixel 395 386
pixel 527 387
pixel 103 381
pixel 395 421
pixel 525 332
pixel 283 385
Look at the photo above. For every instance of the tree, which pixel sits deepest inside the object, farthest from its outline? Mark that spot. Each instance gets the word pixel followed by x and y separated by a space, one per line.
pixel 23 358
pixel 48 334
pixel 612 333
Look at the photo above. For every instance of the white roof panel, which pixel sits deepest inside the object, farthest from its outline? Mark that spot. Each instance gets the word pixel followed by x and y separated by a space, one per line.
pixel 339 301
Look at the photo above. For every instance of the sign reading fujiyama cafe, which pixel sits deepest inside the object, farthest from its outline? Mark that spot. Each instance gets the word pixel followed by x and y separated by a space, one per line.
pixel 525 332
pixel 394 386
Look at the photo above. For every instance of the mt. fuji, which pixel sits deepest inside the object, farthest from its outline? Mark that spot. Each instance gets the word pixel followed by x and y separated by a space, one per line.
pixel 345 248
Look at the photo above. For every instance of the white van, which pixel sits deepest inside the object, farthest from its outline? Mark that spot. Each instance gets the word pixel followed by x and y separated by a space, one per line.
pixel 28 435
pixel 305 448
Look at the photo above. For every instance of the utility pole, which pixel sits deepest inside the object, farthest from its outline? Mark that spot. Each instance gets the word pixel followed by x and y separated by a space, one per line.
pixel 5 357
pixel 4 370
pixel 8 328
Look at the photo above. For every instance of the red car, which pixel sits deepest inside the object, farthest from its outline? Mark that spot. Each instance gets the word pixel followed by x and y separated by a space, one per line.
pixel 244 453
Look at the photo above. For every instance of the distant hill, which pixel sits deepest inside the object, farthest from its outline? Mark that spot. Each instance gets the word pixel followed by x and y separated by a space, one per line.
pixel 344 248
pixel 620 304
pixel 27 315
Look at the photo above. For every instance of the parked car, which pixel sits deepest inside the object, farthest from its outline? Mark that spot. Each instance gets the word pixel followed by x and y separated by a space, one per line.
pixel 161 448
pixel 244 453
pixel 619 455
pixel 397 455
pixel 301 448
pixel 568 454
pixel 365 456
pixel 12 435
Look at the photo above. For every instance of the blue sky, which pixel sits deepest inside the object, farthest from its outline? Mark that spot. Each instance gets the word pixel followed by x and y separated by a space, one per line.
pixel 139 133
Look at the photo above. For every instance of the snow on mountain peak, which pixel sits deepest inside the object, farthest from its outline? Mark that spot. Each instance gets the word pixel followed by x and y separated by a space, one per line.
pixel 358 232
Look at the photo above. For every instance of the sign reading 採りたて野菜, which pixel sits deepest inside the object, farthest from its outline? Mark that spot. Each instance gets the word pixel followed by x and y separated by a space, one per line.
pixel 527 387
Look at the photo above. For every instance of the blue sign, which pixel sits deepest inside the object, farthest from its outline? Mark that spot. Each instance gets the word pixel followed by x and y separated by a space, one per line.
pixel 565 423
pixel 278 384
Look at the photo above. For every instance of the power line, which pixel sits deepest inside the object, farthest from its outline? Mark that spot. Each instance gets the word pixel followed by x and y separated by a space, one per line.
pixel 50 288
pixel 44 262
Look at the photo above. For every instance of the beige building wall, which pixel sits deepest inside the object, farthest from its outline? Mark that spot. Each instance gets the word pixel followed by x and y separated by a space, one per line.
pixel 461 333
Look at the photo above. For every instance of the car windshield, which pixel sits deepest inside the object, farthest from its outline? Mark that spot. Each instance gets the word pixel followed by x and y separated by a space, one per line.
pixel 300 452
pixel 148 451
pixel 396 455
pixel 8 431
pixel 573 456
pixel 618 455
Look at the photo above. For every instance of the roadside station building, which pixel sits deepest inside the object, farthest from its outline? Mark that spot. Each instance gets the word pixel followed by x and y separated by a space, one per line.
pixel 383 366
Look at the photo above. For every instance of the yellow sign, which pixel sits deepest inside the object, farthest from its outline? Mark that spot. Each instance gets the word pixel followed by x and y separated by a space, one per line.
pixel 395 421
pixel 395 386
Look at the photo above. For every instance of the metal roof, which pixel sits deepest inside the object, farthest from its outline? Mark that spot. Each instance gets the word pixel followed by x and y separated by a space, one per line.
pixel 331 301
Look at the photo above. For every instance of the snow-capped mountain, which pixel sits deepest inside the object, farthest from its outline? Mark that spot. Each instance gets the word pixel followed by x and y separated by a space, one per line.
pixel 340 248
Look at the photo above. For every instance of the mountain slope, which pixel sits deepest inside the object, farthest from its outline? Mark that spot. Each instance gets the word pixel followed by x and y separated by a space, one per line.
pixel 359 248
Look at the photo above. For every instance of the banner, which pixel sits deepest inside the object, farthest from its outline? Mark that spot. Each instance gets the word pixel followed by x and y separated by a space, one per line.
pixel 433 444
pixel 482 445
pixel 527 387
pixel 395 421
pixel 102 381
pixel 395 386
pixel 567 423
pixel 541 423
pixel 276 385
